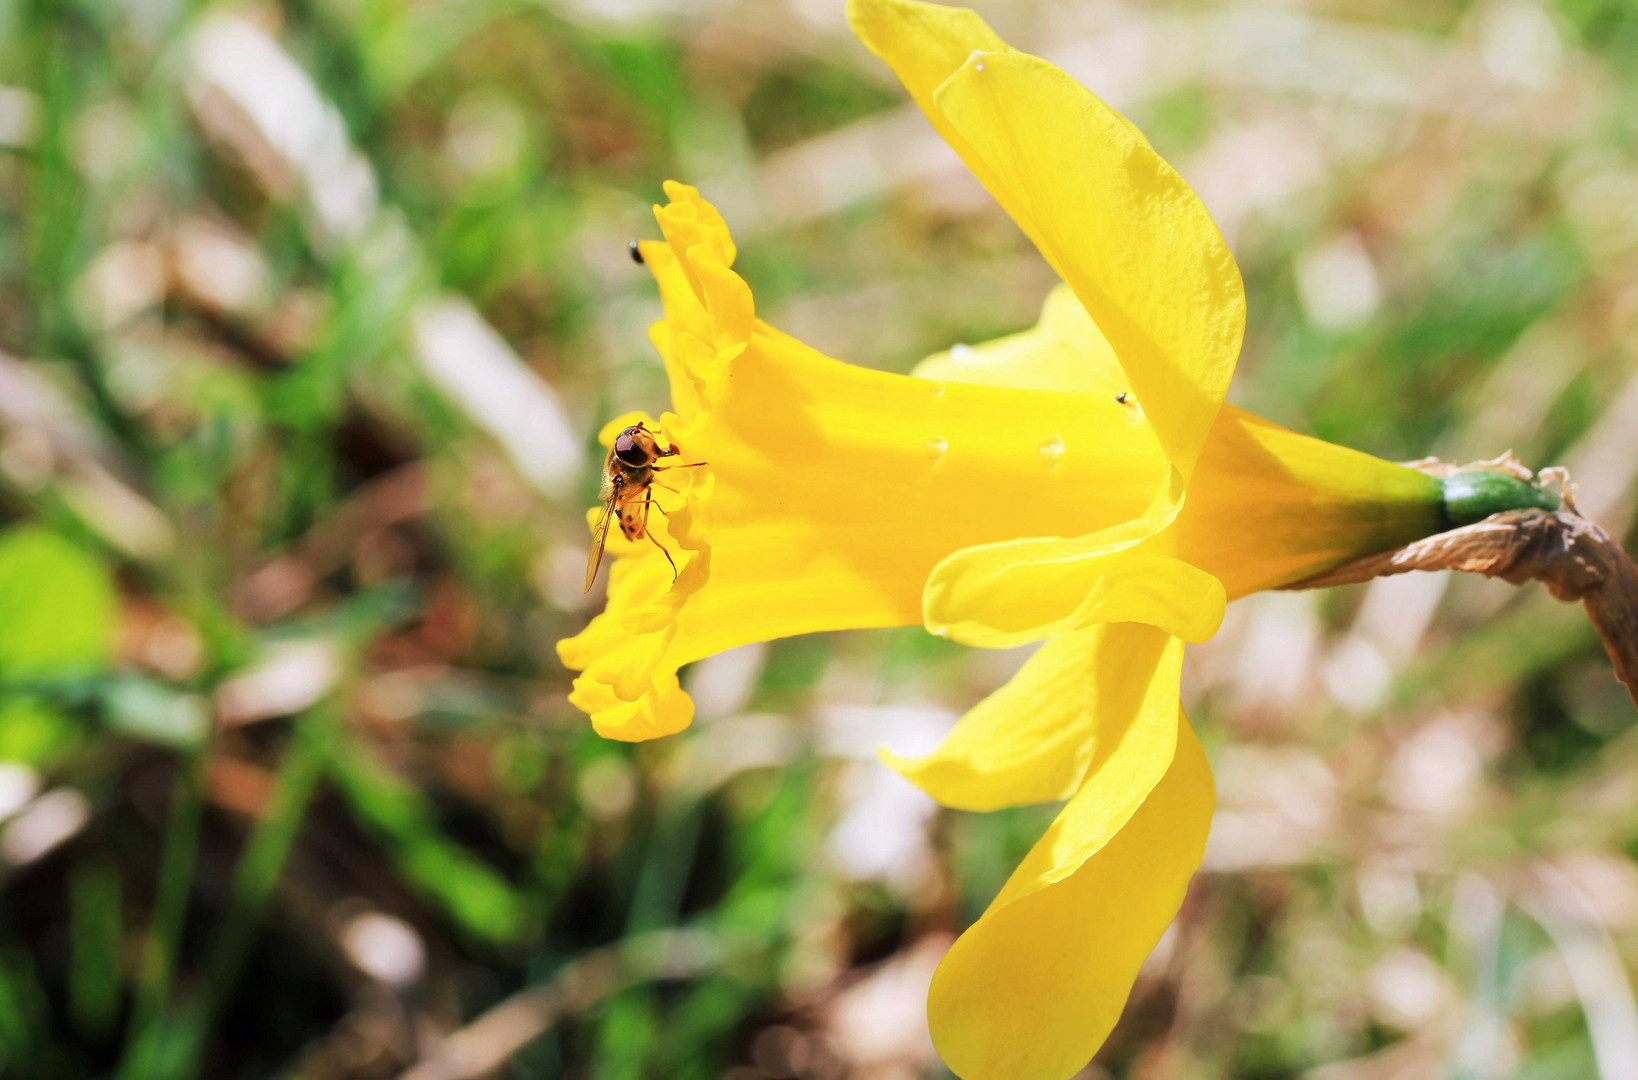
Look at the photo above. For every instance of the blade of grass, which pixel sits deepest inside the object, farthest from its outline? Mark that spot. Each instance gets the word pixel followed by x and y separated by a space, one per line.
pixel 260 868
pixel 25 1041
pixel 160 944
pixel 64 53
pixel 96 927
pixel 477 897
pixel 657 899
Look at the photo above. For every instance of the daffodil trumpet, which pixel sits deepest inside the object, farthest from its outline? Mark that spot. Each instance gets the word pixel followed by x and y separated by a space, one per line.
pixel 1079 484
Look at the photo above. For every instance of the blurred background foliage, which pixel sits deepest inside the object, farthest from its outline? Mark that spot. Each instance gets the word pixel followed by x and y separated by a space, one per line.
pixel 309 314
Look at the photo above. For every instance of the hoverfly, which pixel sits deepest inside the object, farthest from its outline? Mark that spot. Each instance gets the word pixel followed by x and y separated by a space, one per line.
pixel 628 477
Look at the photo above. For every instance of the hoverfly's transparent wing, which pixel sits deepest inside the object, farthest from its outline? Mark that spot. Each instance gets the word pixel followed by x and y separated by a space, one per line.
pixel 600 534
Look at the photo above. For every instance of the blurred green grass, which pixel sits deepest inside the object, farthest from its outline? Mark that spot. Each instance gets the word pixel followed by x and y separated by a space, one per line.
pixel 289 784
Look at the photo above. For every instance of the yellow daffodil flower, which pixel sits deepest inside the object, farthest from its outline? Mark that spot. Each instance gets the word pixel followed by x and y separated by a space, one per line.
pixel 1080 483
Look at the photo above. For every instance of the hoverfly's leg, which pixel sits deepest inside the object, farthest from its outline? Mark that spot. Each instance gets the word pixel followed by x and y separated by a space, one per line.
pixel 655 503
pixel 664 552
pixel 668 468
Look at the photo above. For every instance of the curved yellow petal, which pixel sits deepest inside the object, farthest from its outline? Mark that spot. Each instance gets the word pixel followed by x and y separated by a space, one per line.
pixel 1121 228
pixel 1034 739
pixel 1111 216
pixel 1033 988
pixel 663 709
pixel 1128 586
pixel 685 314
pixel 1009 593
pixel 1064 350
pixel 925 44
pixel 689 221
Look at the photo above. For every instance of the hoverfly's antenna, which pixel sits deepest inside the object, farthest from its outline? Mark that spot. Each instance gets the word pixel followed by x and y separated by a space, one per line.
pixel 636 253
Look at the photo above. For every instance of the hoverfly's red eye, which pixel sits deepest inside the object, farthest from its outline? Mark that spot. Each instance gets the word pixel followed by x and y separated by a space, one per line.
pixel 627 450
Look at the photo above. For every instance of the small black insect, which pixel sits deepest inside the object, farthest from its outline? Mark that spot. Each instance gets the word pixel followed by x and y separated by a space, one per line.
pixel 636 253
pixel 1120 398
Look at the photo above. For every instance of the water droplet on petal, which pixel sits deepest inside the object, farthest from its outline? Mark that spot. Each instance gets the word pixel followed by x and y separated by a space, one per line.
pixel 1051 450
pixel 936 446
pixel 937 390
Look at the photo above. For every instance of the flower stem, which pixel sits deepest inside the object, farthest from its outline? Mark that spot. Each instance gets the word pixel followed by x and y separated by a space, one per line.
pixel 1525 533
pixel 1473 496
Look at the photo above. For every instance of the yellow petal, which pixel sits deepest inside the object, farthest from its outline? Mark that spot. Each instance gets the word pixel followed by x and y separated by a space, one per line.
pixel 1034 739
pixel 728 302
pixel 689 221
pixel 684 313
pixel 924 44
pixel 1110 215
pixel 1033 988
pixel 1121 228
pixel 1006 594
pixel 1064 350
pixel 1012 584
pixel 665 711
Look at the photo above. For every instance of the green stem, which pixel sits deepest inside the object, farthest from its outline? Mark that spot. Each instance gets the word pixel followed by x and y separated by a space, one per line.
pixel 1474 496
